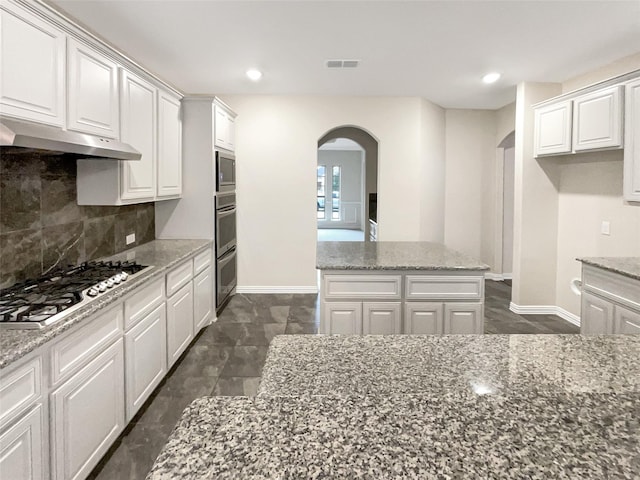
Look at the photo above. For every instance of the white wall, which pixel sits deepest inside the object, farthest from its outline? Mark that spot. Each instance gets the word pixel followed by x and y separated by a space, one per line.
pixel 507 210
pixel 351 188
pixel 276 164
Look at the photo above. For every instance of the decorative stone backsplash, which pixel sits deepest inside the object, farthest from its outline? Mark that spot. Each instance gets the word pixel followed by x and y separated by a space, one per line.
pixel 42 226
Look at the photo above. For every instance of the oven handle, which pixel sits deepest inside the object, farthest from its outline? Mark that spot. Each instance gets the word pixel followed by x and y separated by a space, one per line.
pixel 225 211
pixel 226 258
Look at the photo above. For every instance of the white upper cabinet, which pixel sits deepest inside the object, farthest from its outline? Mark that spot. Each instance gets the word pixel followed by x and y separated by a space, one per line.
pixel 632 142
pixel 597 120
pixel 92 91
pixel 553 129
pixel 32 67
pixel 169 145
pixel 138 99
pixel 225 128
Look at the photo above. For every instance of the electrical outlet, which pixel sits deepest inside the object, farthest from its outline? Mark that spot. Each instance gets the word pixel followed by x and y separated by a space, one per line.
pixel 605 228
pixel 130 238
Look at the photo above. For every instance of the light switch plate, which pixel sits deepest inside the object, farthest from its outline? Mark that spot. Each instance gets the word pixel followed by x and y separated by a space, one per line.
pixel 605 229
pixel 130 238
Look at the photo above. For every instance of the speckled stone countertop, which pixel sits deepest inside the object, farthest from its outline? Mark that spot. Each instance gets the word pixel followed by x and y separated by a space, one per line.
pixel 421 407
pixel 627 266
pixel 161 254
pixel 392 256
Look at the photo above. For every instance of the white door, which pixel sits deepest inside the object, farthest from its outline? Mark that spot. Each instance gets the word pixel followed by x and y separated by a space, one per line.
pixel 626 321
pixel 179 323
pixel 92 91
pixel 552 129
pixel 632 142
pixel 423 318
pixel 597 120
pixel 596 315
pixel 169 146
pixel 381 318
pixel 32 67
pixel 88 414
pixel 463 318
pixel 139 130
pixel 343 318
pixel 145 358
pixel 22 454
pixel 202 299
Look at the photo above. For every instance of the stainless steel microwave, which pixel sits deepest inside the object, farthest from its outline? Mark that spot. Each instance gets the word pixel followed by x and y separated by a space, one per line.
pixel 225 171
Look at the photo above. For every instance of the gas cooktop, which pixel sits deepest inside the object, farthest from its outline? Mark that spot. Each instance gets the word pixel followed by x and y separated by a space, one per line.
pixel 41 302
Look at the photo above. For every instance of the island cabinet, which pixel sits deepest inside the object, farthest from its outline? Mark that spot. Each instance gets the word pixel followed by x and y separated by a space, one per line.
pixel 394 302
pixel 610 302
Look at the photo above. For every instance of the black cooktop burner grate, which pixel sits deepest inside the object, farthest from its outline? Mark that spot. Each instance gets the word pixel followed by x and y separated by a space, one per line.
pixel 39 299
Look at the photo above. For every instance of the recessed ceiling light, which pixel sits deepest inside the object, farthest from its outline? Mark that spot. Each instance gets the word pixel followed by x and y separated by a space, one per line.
pixel 254 74
pixel 491 77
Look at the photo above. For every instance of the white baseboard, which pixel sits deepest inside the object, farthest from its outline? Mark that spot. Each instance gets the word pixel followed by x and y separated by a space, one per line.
pixel 498 277
pixel 545 310
pixel 269 289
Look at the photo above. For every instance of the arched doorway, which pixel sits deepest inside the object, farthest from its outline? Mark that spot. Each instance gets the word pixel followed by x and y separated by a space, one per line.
pixel 337 207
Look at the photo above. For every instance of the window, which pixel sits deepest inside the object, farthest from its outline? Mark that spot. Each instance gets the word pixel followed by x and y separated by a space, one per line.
pixel 321 191
pixel 335 194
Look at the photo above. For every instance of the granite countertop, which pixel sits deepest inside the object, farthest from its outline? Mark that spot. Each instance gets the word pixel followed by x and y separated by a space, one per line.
pixel 390 407
pixel 392 256
pixel 627 266
pixel 161 254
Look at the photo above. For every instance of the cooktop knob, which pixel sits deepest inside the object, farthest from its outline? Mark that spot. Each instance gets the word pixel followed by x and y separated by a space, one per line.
pixel 92 292
pixel 124 276
pixel 102 286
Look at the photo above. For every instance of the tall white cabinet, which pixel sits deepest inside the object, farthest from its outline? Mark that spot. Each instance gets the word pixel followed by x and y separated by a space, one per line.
pixel 32 67
pixel 632 142
pixel 169 154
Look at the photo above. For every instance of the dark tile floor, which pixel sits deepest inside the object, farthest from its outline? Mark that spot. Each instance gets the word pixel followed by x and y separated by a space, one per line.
pixel 228 356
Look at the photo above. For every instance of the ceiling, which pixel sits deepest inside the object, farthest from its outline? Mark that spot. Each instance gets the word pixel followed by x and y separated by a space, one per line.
pixel 433 49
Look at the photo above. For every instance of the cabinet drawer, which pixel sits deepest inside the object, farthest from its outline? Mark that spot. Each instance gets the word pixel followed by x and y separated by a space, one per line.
pixel 362 286
pixel 441 287
pixel 19 389
pixel 618 288
pixel 72 353
pixel 179 277
pixel 202 261
pixel 142 302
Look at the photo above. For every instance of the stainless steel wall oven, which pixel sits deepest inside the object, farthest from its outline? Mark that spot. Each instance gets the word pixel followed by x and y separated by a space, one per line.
pixel 225 171
pixel 226 267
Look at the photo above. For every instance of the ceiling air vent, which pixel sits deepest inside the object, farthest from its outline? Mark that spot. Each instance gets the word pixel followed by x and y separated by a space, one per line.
pixel 342 63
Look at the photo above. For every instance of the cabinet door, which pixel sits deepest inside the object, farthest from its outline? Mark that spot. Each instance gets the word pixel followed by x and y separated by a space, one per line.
pixel 221 127
pixel 169 146
pixel 22 448
pixel 344 318
pixel 88 414
pixel 626 321
pixel 145 348
pixel 596 315
pixel 179 323
pixel 463 318
pixel 202 299
pixel 597 120
pixel 231 132
pixel 92 91
pixel 32 67
pixel 139 130
pixel 632 142
pixel 381 318
pixel 423 318
pixel 552 129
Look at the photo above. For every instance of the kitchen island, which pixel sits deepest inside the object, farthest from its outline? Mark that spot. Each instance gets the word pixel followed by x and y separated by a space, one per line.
pixel 404 406
pixel 399 287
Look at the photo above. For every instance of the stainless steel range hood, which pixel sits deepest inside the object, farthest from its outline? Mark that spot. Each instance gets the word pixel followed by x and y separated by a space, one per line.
pixel 27 135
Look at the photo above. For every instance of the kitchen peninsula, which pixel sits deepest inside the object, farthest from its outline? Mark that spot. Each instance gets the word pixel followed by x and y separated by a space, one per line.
pixel 399 287
pixel 407 406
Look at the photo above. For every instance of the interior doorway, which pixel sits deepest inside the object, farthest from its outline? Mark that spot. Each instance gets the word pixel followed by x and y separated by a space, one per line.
pixel 347 185
pixel 505 225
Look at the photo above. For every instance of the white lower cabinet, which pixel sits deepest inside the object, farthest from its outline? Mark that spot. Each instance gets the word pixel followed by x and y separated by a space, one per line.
pixel 383 318
pixel 343 318
pixel 23 448
pixel 88 414
pixel 626 321
pixel 179 322
pixel 423 318
pixel 145 358
pixel 202 299
pixel 463 318
pixel 597 315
